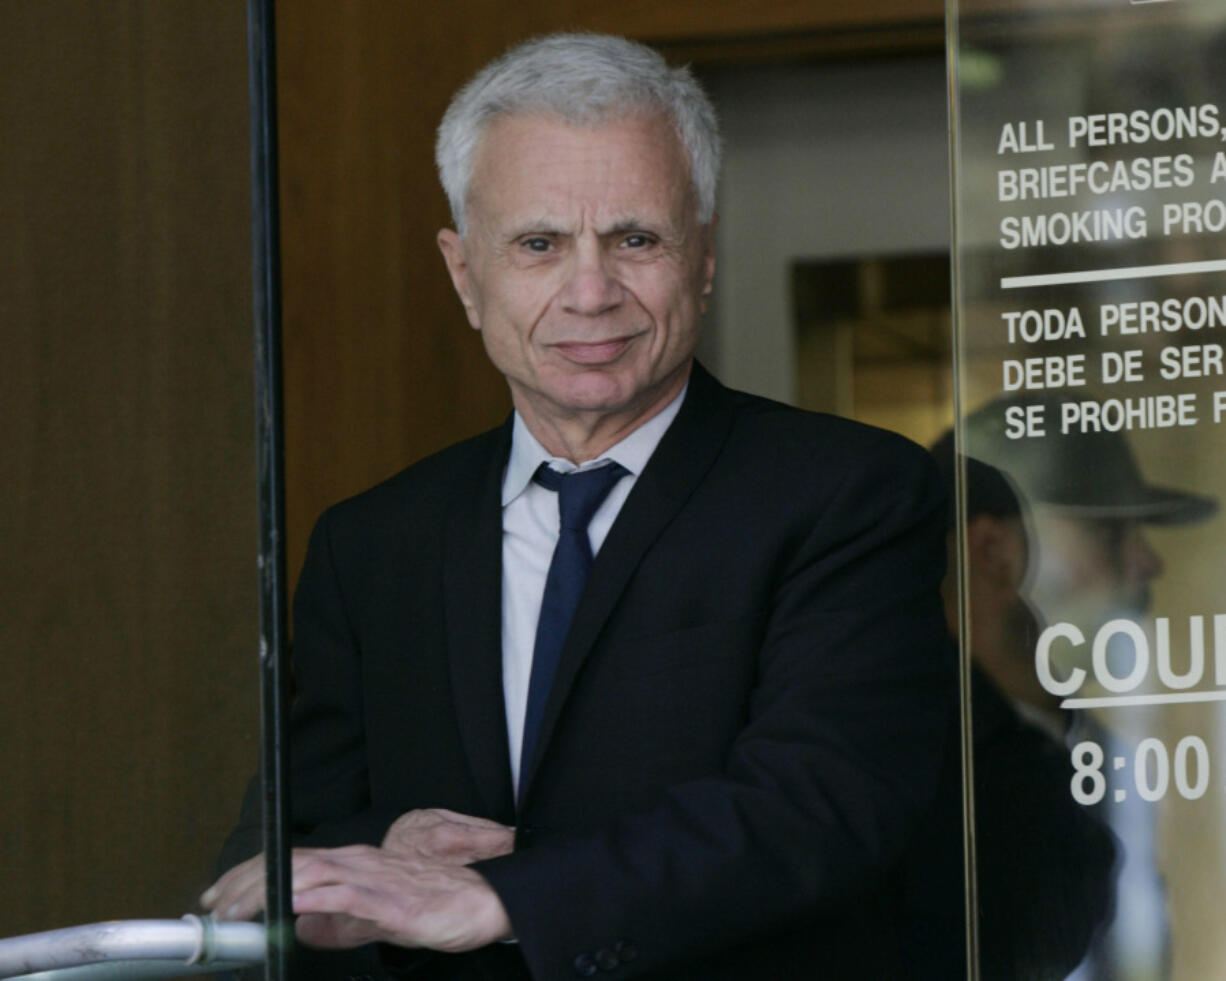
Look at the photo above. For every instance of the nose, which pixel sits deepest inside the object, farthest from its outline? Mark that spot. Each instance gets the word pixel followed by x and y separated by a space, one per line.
pixel 592 288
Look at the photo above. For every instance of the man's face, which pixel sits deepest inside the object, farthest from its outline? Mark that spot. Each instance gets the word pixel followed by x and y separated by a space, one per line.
pixel 584 266
pixel 1092 569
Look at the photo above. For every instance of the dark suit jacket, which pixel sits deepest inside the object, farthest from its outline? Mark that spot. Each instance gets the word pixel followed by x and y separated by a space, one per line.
pixel 1044 865
pixel 746 721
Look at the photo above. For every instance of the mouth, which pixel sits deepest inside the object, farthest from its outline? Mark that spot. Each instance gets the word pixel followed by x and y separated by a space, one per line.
pixel 594 352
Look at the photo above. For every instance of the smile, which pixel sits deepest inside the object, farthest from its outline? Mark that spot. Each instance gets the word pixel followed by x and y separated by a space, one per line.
pixel 594 352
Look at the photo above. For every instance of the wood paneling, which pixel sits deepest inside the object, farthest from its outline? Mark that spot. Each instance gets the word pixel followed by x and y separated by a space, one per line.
pixel 128 532
pixel 653 21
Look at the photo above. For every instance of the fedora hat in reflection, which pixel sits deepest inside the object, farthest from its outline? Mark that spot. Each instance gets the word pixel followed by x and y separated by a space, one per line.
pixel 988 490
pixel 1092 475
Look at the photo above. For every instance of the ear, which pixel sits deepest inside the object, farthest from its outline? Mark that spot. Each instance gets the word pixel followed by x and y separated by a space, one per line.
pixel 456 257
pixel 708 260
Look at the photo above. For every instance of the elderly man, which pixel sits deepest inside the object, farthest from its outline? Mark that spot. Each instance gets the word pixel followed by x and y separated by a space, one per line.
pixel 649 680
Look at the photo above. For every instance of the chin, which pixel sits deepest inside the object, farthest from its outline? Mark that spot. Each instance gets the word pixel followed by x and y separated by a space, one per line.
pixel 596 391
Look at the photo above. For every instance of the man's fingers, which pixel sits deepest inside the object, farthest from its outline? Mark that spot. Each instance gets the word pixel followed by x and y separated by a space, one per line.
pixel 239 902
pixel 317 866
pixel 482 843
pixel 455 817
pixel 239 894
pixel 350 896
pixel 347 898
pixel 340 898
pixel 440 835
pixel 465 842
pixel 365 894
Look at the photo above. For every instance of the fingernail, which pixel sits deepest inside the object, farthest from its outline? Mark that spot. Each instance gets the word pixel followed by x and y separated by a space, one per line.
pixel 207 897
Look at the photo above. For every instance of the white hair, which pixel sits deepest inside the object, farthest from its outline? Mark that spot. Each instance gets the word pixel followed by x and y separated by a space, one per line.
pixel 585 79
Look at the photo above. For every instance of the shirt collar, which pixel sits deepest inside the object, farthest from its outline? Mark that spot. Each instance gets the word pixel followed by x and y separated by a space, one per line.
pixel 632 452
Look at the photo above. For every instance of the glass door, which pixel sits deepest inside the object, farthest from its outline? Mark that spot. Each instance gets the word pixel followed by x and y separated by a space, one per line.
pixel 129 530
pixel 1090 300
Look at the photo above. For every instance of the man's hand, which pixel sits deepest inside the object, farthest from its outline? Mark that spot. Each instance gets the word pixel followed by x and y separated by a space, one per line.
pixel 439 836
pixel 355 895
pixel 239 894
pixel 414 891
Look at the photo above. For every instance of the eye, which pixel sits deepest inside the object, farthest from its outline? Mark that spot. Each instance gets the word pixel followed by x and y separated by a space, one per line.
pixel 638 240
pixel 536 243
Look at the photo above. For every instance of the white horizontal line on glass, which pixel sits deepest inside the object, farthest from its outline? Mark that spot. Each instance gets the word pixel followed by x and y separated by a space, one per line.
pixel 1114 701
pixel 1103 275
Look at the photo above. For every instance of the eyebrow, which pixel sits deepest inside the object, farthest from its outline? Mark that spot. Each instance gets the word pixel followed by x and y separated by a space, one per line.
pixel 542 226
pixel 636 225
pixel 547 226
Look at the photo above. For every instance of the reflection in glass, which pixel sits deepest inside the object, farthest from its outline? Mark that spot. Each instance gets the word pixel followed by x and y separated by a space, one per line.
pixel 1089 296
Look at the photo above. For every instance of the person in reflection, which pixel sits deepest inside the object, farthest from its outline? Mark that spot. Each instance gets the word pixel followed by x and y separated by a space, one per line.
pixel 1044 865
pixel 1091 506
pixel 651 680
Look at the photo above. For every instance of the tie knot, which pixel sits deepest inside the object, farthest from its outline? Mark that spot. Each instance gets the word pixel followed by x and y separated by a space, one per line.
pixel 580 492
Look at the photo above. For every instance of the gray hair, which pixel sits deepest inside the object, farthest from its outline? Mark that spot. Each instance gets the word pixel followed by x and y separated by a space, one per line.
pixel 585 79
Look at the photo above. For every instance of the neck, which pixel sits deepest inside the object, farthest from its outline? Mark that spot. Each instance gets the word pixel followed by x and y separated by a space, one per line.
pixel 580 436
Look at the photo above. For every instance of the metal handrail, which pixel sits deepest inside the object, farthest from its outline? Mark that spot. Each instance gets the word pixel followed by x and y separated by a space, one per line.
pixel 191 945
pixel 135 971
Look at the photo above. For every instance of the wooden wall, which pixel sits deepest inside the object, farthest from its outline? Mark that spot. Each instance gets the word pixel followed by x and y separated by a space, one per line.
pixel 128 701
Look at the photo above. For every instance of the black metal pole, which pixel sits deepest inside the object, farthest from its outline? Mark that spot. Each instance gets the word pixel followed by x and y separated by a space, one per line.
pixel 274 663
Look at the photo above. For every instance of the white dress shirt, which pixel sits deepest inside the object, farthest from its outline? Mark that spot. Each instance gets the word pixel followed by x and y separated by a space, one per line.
pixel 530 532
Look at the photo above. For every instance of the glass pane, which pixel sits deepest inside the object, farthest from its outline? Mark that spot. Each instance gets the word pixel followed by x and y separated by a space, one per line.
pixel 1090 292
pixel 128 533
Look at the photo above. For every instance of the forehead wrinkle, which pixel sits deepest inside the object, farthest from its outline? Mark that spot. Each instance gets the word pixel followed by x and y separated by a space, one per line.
pixel 542 225
pixel 545 223
pixel 569 205
pixel 630 223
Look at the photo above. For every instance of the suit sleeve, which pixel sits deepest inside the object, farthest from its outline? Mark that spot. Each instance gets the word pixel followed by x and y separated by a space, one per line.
pixel 329 779
pixel 821 789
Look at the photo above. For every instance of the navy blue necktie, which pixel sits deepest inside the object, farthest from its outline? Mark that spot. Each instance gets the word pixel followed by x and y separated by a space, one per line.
pixel 580 493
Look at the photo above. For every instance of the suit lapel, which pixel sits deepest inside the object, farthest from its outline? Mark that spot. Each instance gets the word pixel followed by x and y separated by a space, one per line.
pixel 684 455
pixel 472 570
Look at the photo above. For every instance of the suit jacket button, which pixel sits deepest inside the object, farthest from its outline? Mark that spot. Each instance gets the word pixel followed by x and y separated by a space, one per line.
pixel 585 965
pixel 625 951
pixel 606 960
